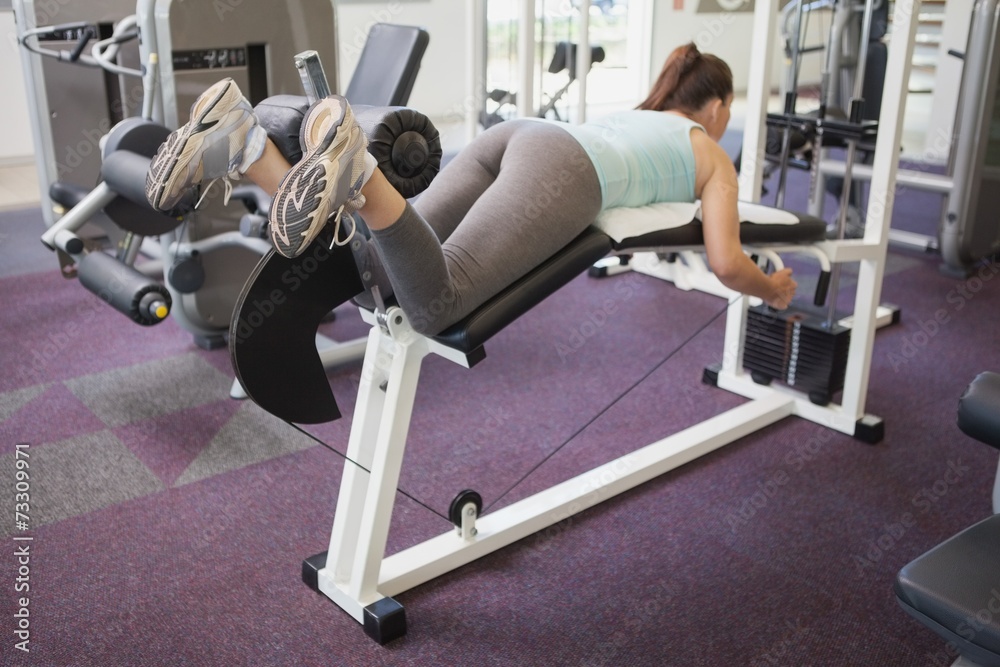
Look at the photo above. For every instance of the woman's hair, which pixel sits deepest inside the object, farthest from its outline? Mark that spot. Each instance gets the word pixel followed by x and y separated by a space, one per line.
pixel 689 80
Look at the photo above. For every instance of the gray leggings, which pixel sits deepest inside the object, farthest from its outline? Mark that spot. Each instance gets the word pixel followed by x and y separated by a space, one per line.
pixel 517 194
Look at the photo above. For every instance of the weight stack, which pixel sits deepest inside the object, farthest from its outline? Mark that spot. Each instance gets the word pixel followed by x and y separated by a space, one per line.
pixel 798 349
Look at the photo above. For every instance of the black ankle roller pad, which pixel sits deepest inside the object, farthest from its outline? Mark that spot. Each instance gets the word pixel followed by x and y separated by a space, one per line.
pixel 403 141
pixel 406 145
pixel 281 117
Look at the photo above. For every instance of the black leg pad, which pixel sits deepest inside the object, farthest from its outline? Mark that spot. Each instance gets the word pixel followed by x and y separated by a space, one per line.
pixel 385 620
pixel 272 338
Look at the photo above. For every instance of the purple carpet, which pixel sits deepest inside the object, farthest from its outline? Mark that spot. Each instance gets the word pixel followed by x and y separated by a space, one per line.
pixel 169 522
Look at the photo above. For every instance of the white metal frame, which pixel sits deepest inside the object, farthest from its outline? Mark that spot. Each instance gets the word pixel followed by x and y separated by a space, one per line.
pixel 356 574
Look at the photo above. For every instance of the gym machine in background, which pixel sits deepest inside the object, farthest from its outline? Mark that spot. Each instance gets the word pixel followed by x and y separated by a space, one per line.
pixel 969 230
pixel 85 73
pixel 970 227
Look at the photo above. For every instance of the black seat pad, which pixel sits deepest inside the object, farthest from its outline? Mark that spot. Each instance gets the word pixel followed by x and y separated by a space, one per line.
pixel 471 332
pixel 809 229
pixel 979 409
pixel 955 590
pixel 593 244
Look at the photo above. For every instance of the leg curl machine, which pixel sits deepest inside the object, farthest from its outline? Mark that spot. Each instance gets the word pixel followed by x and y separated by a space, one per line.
pixel 195 260
pixel 280 369
pixel 190 263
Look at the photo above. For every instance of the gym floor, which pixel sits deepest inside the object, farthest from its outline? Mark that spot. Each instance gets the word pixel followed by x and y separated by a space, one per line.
pixel 18 186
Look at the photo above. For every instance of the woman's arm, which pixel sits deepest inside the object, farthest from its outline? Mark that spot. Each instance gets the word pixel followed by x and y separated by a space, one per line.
pixel 722 231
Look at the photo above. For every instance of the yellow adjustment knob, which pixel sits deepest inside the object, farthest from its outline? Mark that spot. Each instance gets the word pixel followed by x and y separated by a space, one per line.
pixel 161 311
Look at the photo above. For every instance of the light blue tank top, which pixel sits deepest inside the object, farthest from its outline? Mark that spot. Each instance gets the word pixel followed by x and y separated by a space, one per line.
pixel 641 157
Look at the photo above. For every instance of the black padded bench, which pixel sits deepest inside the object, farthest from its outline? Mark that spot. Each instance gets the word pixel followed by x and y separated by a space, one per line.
pixel 282 344
pixel 593 244
pixel 954 589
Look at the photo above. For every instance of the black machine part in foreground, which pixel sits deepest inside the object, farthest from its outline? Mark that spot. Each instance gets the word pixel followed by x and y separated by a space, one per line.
pixel 954 589
pixel 273 330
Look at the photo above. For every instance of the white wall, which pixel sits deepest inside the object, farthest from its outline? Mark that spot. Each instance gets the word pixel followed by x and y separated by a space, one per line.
pixel 720 34
pixel 728 35
pixel 440 89
pixel 947 79
pixel 439 92
pixel 15 124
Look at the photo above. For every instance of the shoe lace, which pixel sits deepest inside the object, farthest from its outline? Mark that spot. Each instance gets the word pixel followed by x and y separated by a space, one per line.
pixel 336 228
pixel 227 194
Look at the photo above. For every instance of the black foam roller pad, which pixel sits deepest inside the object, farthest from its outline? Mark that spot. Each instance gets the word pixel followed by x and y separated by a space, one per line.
pixel 142 299
pixel 406 145
pixel 403 141
pixel 125 173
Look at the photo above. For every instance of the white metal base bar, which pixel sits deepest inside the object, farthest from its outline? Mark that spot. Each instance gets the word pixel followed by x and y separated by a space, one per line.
pixel 448 551
pixel 353 572
pixel 867 428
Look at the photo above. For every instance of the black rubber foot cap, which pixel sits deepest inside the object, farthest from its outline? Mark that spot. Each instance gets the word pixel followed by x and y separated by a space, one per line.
pixel 385 620
pixel 711 374
pixel 897 313
pixel 310 570
pixel 870 429
pixel 208 342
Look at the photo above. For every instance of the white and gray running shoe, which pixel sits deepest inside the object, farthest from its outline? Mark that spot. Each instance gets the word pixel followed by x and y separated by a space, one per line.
pixel 221 140
pixel 326 182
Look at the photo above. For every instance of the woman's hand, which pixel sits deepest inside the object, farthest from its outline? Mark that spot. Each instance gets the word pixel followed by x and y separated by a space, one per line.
pixel 782 288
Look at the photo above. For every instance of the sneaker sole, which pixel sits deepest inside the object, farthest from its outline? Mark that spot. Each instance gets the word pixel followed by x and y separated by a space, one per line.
pixel 294 216
pixel 168 169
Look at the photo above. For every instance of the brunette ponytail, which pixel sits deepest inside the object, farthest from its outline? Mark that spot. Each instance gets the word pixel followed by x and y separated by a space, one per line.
pixel 689 79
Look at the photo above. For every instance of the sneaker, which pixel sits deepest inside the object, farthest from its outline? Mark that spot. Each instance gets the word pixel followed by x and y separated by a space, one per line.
pixel 327 181
pixel 221 140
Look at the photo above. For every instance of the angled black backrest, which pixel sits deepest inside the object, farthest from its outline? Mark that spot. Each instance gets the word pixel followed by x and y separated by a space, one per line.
pixel 388 65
